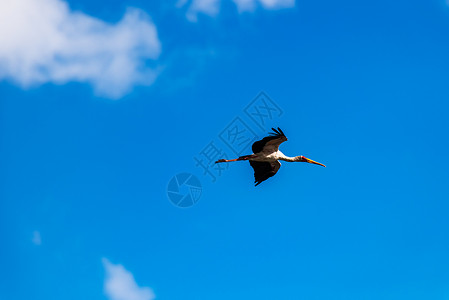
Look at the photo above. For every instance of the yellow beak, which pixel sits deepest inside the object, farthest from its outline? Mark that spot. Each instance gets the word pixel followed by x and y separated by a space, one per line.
pixel 313 162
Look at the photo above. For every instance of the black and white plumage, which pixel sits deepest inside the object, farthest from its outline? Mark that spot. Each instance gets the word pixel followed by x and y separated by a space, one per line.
pixel 264 170
pixel 268 145
pixel 266 156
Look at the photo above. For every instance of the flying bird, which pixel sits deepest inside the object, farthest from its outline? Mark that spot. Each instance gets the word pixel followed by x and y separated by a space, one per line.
pixel 266 156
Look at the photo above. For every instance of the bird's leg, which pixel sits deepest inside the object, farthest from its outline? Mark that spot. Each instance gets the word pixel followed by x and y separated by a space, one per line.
pixel 245 157
pixel 225 160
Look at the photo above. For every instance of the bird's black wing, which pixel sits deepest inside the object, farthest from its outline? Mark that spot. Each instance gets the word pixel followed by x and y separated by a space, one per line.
pixel 264 170
pixel 270 143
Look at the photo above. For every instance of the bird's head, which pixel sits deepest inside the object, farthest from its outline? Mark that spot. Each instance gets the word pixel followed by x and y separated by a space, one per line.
pixel 307 160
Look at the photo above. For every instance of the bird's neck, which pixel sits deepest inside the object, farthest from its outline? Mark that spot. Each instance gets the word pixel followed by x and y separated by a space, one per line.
pixel 288 158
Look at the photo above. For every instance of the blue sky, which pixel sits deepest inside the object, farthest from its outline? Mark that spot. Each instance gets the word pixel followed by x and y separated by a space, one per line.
pixel 102 103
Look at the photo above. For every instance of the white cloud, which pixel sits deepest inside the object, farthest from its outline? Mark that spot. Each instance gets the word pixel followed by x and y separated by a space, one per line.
pixel 212 7
pixel 276 4
pixel 119 284
pixel 250 5
pixel 44 41
pixel 245 5
pixel 36 238
pixel 209 7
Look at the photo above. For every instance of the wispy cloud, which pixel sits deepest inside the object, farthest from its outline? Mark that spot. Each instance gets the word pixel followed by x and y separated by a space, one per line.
pixel 212 7
pixel 44 41
pixel 250 5
pixel 119 284
pixel 209 7
pixel 36 238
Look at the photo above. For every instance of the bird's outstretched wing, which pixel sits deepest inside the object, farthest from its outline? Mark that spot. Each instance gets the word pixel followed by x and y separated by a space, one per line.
pixel 264 170
pixel 270 143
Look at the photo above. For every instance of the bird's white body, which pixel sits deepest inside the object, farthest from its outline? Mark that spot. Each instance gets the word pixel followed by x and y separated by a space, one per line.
pixel 271 156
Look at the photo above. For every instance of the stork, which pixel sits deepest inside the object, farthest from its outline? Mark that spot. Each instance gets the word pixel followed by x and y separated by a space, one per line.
pixel 266 156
